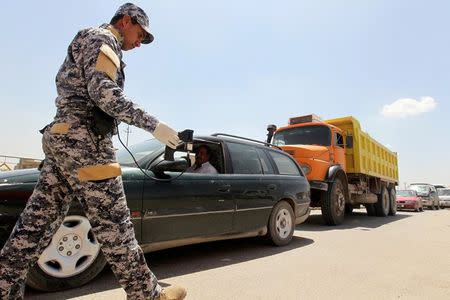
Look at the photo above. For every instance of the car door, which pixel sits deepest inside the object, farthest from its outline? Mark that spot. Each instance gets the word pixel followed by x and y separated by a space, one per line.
pixel 293 183
pixel 191 205
pixel 253 196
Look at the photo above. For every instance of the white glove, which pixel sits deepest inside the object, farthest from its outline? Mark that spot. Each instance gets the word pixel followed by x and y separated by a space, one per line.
pixel 166 135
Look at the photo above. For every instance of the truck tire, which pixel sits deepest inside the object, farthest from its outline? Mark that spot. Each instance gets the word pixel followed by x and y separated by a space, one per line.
pixel 281 224
pixel 370 208
pixel 393 202
pixel 333 204
pixel 348 208
pixel 382 206
pixel 72 258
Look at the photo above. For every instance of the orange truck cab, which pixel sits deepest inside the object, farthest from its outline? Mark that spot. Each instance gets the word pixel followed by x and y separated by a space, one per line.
pixel 345 166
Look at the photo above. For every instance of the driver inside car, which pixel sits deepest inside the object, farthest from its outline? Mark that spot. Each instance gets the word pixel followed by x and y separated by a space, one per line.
pixel 202 164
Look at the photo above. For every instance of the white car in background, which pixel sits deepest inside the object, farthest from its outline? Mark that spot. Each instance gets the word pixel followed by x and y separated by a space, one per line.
pixel 444 197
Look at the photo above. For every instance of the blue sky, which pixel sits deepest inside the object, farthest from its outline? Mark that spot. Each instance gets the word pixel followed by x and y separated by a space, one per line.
pixel 236 66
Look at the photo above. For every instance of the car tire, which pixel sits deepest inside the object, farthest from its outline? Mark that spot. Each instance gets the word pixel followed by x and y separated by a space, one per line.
pixel 333 204
pixel 370 208
pixel 73 258
pixel 392 202
pixel 382 206
pixel 281 224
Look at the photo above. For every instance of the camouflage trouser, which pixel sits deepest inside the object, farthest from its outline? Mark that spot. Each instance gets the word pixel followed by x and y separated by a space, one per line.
pixel 103 203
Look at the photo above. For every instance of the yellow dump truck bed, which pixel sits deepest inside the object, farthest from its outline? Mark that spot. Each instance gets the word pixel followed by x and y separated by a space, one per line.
pixel 367 156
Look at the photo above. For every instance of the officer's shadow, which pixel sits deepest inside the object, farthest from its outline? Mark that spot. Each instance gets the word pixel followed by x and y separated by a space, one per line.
pixel 182 261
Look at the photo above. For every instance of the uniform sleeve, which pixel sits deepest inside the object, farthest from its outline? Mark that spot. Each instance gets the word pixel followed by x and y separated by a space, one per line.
pixel 101 64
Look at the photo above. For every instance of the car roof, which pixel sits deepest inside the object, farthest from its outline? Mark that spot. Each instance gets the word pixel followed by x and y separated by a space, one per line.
pixel 241 140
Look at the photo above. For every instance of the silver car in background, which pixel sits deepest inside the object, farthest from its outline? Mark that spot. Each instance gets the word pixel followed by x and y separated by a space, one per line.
pixel 444 197
pixel 428 193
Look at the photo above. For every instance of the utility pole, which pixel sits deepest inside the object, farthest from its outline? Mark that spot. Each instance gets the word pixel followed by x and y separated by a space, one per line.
pixel 127 131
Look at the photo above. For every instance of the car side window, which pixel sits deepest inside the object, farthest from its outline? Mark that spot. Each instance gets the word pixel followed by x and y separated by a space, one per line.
pixel 244 159
pixel 285 164
pixel 265 161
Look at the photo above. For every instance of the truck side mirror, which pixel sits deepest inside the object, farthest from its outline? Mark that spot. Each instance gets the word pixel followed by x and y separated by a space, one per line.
pixel 270 131
pixel 349 141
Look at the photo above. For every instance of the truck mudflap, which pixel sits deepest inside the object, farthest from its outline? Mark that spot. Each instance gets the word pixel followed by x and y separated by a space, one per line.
pixel 319 185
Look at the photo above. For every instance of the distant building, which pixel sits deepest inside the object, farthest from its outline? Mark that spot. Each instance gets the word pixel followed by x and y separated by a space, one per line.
pixel 5 167
pixel 27 163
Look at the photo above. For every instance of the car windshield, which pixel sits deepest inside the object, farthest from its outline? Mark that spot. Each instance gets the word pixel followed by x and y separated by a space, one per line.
pixel 305 135
pixel 140 151
pixel 420 189
pixel 444 192
pixel 406 193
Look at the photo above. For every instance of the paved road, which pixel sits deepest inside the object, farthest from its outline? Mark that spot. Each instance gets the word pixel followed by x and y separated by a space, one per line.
pixel 401 257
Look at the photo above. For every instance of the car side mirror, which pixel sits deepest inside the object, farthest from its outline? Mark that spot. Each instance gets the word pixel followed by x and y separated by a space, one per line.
pixel 179 165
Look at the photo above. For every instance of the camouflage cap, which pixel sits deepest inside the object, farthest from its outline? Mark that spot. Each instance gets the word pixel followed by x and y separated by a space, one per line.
pixel 140 16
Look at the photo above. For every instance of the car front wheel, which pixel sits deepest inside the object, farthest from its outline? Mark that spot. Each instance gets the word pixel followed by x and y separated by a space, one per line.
pixel 281 224
pixel 72 258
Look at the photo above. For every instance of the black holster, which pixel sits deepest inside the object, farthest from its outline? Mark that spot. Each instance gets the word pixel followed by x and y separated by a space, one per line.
pixel 100 123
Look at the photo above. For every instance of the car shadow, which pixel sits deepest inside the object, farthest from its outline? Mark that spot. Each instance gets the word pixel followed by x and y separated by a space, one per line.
pixel 183 260
pixel 358 219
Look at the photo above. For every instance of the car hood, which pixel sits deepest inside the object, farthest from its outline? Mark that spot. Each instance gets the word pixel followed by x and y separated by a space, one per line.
pixel 407 199
pixel 32 175
pixel 19 176
pixel 444 198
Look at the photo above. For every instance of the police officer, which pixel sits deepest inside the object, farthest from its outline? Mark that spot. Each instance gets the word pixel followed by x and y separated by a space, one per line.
pixel 80 161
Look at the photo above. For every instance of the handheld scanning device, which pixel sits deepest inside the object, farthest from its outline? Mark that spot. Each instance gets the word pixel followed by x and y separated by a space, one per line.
pixel 187 137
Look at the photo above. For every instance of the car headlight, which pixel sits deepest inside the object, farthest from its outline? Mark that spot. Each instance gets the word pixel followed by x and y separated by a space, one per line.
pixel 306 168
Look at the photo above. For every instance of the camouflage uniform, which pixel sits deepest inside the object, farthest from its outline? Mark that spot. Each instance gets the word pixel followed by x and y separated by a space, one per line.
pixel 81 165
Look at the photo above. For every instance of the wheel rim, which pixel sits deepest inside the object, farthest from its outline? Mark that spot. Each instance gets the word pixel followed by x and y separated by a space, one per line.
pixel 283 223
pixel 340 201
pixel 72 250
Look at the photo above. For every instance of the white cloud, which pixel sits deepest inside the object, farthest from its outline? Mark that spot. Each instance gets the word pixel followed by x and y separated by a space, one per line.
pixel 406 107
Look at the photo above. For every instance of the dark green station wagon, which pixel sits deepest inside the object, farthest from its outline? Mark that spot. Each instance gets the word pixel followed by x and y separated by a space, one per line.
pixel 259 191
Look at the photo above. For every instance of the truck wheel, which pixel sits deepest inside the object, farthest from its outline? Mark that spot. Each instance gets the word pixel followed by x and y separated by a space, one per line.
pixel 281 224
pixel 72 258
pixel 382 206
pixel 393 202
pixel 348 208
pixel 370 208
pixel 333 204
